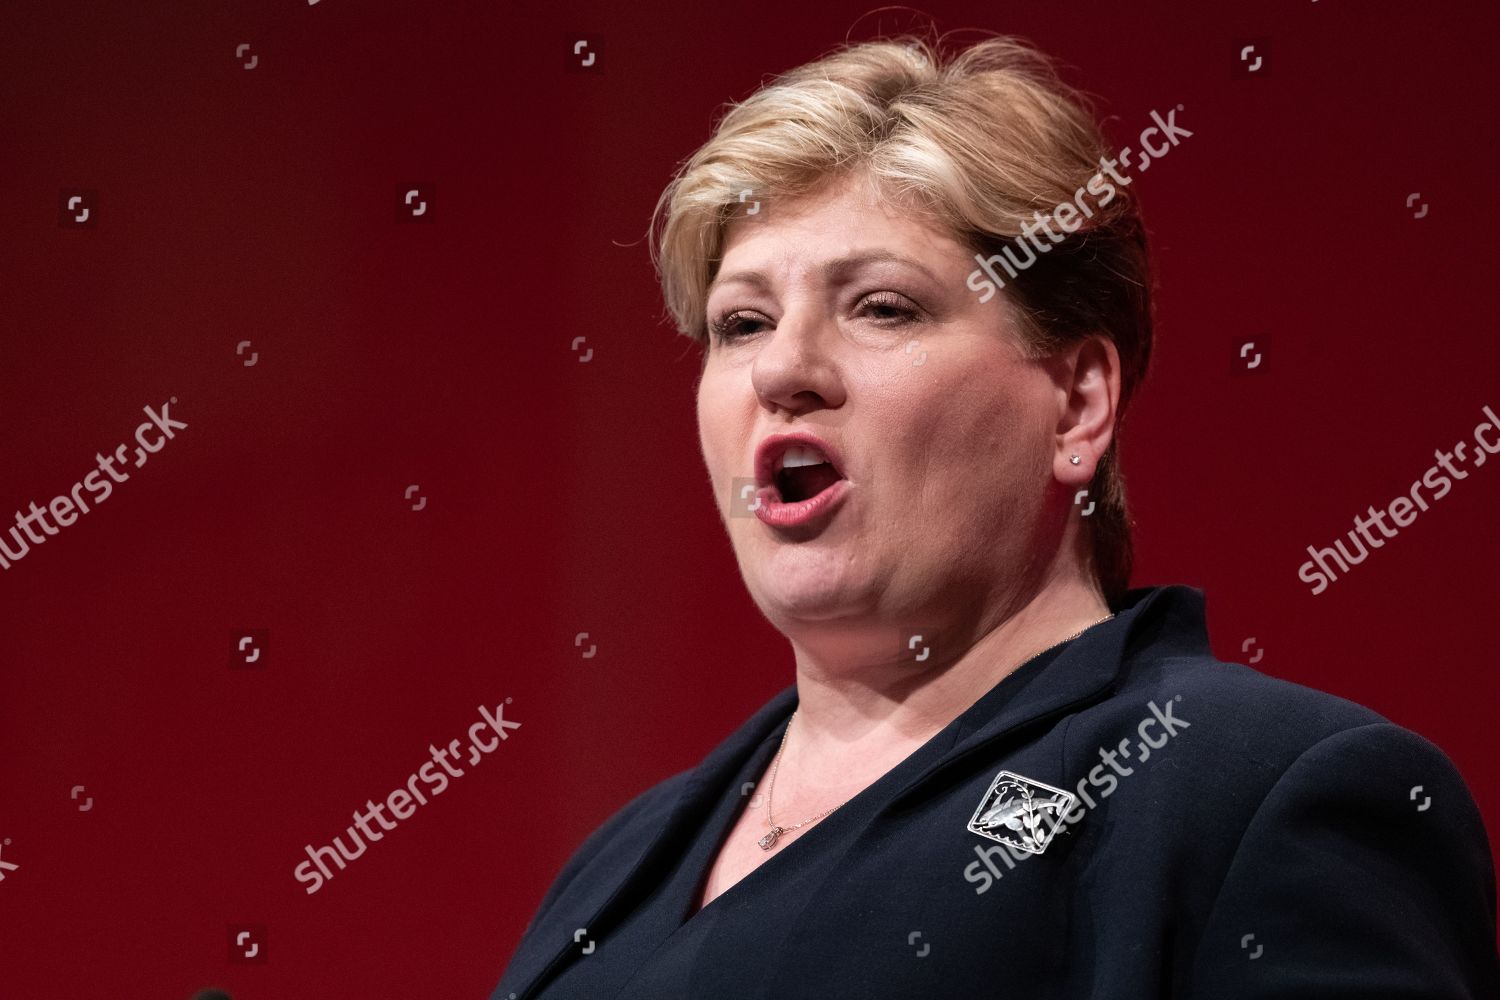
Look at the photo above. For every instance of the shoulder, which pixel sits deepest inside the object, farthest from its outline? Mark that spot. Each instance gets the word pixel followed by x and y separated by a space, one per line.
pixel 1255 746
pixel 646 812
pixel 618 841
pixel 1355 850
pixel 1292 825
pixel 1240 720
pixel 1210 756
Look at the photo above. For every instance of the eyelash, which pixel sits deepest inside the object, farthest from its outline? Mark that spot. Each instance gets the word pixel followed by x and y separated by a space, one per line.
pixel 721 326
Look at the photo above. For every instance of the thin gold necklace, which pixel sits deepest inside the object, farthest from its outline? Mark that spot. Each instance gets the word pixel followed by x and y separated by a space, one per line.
pixel 769 840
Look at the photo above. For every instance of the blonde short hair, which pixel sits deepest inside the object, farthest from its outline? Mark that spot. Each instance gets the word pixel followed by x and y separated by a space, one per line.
pixel 978 141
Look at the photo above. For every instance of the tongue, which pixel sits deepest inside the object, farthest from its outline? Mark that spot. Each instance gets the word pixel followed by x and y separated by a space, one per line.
pixel 806 481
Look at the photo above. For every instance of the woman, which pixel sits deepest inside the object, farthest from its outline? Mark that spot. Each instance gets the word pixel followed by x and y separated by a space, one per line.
pixel 999 771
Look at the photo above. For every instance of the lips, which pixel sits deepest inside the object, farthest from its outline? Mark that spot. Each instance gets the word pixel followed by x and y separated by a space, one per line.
pixel 799 466
pixel 800 480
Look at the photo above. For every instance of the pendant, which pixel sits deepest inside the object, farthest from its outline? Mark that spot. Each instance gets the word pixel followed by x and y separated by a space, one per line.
pixel 769 840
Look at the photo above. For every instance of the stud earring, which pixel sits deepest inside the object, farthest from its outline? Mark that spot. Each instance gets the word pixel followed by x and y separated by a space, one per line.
pixel 1075 459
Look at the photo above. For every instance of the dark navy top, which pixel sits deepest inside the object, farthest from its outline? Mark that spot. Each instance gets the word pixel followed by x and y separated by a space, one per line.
pixel 1124 816
pixel 658 947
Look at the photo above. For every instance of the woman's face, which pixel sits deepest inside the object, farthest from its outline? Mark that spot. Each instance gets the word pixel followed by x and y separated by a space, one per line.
pixel 853 321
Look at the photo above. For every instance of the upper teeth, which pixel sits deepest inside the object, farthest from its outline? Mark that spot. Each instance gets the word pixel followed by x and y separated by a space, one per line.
pixel 798 456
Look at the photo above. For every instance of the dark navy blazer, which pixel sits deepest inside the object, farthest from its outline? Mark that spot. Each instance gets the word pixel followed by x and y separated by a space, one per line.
pixel 1229 835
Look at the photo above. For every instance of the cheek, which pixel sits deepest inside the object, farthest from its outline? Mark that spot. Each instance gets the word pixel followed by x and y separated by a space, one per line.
pixel 708 436
pixel 985 433
pixel 1008 429
pixel 718 435
pixel 986 414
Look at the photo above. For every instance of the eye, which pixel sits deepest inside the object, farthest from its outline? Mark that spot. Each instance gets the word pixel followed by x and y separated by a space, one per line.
pixel 893 306
pixel 888 308
pixel 732 325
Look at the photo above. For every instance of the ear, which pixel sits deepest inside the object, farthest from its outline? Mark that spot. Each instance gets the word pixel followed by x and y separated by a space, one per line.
pixel 1087 377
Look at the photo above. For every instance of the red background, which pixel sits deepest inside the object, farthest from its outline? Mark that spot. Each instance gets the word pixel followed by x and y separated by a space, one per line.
pixel 562 496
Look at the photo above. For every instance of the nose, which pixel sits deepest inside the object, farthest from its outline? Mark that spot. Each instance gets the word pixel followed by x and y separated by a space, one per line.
pixel 797 367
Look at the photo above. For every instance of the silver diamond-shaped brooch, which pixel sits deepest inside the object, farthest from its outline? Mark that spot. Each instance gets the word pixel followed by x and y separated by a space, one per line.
pixel 1020 812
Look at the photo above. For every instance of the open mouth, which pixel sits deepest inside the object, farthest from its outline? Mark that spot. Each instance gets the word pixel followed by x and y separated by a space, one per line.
pixel 800 481
pixel 801 472
pixel 796 483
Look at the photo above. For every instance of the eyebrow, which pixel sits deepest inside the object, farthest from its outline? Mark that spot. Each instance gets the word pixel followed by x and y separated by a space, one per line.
pixel 835 271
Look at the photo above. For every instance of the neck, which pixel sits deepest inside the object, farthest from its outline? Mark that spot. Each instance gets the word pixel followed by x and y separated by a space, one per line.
pixel 860 712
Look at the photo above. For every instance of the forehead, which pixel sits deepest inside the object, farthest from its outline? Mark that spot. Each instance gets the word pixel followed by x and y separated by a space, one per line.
pixel 846 224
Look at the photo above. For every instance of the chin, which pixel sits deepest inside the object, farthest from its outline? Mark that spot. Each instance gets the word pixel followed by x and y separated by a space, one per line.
pixel 787 602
